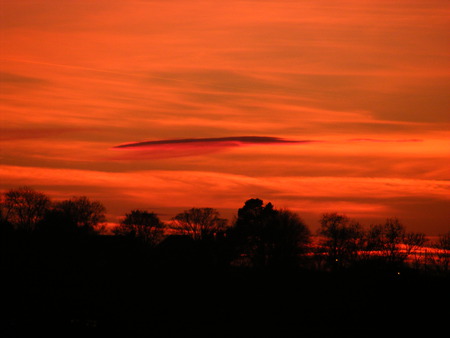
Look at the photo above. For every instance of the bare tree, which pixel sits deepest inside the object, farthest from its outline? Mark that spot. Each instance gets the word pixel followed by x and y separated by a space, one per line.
pixel 4 214
pixel 24 207
pixel 391 241
pixel 143 225
pixel 442 247
pixel 414 241
pixel 343 238
pixel 199 223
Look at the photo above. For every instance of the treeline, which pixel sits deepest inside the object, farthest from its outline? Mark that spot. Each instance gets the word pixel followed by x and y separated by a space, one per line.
pixel 263 274
pixel 261 236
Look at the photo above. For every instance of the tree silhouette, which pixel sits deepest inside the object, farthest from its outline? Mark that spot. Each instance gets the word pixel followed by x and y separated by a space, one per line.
pixel 412 242
pixel 24 207
pixel 386 240
pixel 199 223
pixel 249 231
pixel 142 225
pixel 268 237
pixel 82 214
pixel 343 238
pixel 442 257
pixel 286 239
pixel 5 224
pixel 444 241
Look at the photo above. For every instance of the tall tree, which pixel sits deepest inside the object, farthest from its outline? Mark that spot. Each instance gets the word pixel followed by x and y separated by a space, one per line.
pixel 24 207
pixel 199 223
pixel 268 237
pixel 142 225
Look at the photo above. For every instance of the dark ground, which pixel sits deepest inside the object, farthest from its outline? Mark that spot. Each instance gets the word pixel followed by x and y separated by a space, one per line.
pixel 103 288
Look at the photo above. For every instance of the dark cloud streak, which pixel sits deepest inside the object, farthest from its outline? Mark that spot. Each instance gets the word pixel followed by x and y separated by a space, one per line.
pixel 227 141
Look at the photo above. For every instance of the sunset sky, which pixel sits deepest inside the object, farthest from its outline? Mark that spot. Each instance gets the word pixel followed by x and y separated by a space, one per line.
pixel 315 106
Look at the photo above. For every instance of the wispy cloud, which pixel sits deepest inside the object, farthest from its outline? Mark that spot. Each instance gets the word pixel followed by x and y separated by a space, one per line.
pixel 383 140
pixel 159 189
pixel 11 78
pixel 13 134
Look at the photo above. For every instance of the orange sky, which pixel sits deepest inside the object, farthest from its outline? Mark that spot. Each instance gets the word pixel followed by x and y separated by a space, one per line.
pixel 365 83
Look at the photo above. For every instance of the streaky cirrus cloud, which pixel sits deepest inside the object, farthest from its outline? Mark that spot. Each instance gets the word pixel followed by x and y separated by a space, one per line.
pixel 363 197
pixel 383 140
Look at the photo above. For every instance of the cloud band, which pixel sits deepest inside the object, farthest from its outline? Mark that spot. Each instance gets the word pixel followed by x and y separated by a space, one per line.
pixel 219 141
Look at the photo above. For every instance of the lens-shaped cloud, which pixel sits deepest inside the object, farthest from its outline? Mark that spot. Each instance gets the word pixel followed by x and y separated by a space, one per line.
pixel 219 141
pixel 198 146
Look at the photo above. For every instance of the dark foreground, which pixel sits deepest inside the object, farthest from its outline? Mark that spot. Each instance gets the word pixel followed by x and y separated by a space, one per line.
pixel 92 290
